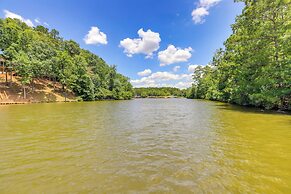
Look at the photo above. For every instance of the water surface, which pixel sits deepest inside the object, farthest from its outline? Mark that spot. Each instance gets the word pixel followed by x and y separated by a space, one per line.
pixel 143 145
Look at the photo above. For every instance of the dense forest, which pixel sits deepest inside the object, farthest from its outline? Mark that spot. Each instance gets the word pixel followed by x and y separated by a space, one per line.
pixel 37 53
pixel 254 68
pixel 159 92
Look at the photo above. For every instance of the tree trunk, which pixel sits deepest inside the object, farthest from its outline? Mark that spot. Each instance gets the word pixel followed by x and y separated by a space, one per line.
pixel 11 78
pixel 6 78
pixel 24 92
pixel 32 85
pixel 54 81
pixel 65 93
pixel 3 67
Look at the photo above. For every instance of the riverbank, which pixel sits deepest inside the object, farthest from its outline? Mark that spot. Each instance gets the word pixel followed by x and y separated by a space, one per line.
pixel 41 91
pixel 158 97
pixel 263 109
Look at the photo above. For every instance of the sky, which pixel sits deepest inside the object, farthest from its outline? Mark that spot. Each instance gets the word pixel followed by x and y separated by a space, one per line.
pixel 153 42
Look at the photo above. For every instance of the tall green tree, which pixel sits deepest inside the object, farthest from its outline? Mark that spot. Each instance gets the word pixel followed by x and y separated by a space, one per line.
pixel 255 66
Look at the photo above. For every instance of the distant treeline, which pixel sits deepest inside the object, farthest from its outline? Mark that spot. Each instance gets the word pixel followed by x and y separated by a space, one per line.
pixel 254 68
pixel 40 53
pixel 159 92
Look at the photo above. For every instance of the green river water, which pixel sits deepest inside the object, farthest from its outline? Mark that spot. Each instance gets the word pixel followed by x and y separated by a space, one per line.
pixel 143 146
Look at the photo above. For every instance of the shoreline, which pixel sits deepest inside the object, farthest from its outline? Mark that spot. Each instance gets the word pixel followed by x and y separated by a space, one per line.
pixel 261 109
pixel 158 97
pixel 32 102
pixel 248 108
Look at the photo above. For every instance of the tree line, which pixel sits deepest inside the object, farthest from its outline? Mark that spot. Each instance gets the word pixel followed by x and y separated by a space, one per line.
pixel 254 68
pixel 40 53
pixel 159 92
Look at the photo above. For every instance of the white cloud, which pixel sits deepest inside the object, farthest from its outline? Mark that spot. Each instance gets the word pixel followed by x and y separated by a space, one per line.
pixel 39 22
pixel 144 82
pixel 164 79
pixel 36 20
pixel 95 36
pixel 183 85
pixel 164 76
pixel 147 44
pixel 208 3
pixel 191 68
pixel 176 68
pixel 174 55
pixel 9 14
pixel 145 72
pixel 198 15
pixel 202 10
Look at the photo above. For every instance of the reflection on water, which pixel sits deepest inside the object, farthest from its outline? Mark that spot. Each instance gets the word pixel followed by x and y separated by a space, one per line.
pixel 144 145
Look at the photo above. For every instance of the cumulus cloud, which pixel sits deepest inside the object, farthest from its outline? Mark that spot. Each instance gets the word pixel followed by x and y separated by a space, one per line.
pixel 202 10
pixel 95 36
pixel 176 68
pixel 164 79
pixel 147 44
pixel 174 55
pixel 145 72
pixel 9 14
pixel 191 68
pixel 198 15
pixel 164 76
pixel 208 3
pixel 183 85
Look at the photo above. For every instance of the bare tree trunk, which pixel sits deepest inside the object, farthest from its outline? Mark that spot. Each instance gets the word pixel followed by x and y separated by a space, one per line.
pixel 24 92
pixel 6 78
pixel 11 78
pixel 65 94
pixel 32 85
pixel 2 67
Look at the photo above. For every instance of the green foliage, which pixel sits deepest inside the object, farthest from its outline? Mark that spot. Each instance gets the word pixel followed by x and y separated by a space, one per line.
pixel 255 66
pixel 159 92
pixel 25 69
pixel 42 54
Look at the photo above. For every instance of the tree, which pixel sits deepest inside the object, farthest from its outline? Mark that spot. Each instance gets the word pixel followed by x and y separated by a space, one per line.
pixel 255 68
pixel 40 54
pixel 55 34
pixel 23 69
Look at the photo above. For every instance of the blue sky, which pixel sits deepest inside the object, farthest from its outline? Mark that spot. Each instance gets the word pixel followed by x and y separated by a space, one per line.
pixel 153 42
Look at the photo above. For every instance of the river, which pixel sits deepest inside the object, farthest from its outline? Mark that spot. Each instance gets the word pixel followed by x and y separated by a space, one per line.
pixel 143 146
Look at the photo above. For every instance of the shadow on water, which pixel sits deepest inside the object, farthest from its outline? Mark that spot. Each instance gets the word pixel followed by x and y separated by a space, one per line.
pixel 248 109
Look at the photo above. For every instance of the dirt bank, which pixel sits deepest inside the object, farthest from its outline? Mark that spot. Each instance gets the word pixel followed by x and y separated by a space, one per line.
pixel 40 91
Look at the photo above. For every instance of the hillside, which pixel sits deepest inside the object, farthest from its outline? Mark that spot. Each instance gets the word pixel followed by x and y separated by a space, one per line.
pixel 43 91
pixel 37 53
